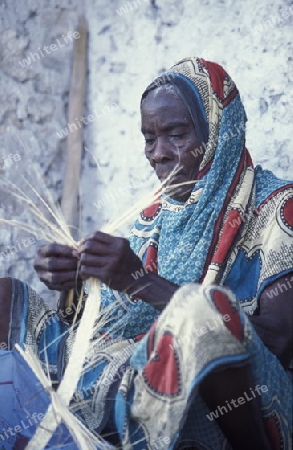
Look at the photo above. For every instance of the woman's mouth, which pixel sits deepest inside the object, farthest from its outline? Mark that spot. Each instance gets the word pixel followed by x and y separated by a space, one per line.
pixel 171 179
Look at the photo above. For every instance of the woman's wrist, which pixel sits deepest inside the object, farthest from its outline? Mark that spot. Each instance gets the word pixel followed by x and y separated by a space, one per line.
pixel 153 289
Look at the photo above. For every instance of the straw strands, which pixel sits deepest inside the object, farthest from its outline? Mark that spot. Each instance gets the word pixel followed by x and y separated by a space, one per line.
pixel 58 411
pixel 60 233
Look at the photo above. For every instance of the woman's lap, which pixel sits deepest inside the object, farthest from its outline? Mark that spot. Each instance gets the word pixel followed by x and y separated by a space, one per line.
pixel 156 398
pixel 188 341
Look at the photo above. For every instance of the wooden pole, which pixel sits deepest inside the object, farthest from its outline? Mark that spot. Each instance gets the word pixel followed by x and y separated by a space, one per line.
pixel 70 196
pixel 74 148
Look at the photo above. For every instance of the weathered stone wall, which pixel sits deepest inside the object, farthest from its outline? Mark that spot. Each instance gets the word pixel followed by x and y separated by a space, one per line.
pixel 130 43
pixel 34 97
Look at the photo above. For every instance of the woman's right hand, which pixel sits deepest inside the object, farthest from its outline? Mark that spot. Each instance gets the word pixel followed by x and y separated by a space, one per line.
pixel 56 266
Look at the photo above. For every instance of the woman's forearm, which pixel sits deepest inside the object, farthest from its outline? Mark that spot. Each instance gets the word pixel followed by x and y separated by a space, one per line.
pixel 153 289
pixel 274 324
pixel 269 329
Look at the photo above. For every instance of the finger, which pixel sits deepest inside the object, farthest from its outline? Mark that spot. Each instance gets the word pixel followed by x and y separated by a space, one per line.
pixel 87 272
pixel 56 250
pixel 99 236
pixel 58 278
pixel 92 260
pixel 94 247
pixel 62 287
pixel 53 264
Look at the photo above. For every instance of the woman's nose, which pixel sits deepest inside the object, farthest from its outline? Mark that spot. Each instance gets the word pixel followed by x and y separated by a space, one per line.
pixel 162 150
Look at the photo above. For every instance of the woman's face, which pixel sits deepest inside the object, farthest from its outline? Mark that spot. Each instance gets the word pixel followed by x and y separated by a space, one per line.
pixel 170 139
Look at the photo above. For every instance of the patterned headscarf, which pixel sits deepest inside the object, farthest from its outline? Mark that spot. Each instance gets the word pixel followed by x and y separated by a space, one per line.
pixel 192 229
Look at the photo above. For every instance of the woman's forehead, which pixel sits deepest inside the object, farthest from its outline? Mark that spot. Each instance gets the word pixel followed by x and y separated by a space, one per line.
pixel 166 111
pixel 163 89
pixel 160 98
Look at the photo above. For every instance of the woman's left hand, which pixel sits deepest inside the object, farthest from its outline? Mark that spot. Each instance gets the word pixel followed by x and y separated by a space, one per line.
pixel 110 259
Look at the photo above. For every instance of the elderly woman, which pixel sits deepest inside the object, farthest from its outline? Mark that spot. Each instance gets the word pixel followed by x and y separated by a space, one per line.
pixel 198 344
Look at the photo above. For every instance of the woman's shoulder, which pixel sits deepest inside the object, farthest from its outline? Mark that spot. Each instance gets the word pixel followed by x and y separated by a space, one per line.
pixel 271 189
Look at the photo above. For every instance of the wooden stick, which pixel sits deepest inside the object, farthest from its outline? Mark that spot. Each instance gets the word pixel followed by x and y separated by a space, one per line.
pixel 69 203
pixel 70 196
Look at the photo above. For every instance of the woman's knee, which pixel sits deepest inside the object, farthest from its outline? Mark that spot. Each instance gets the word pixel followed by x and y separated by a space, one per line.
pixel 209 308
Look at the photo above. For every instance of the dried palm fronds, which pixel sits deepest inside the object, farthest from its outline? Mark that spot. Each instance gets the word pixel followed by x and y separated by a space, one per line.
pixel 58 411
pixel 59 232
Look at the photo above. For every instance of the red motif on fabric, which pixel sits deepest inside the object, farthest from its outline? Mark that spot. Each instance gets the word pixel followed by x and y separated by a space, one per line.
pixel 217 75
pixel 273 428
pixel 151 210
pixel 225 307
pixel 162 373
pixel 151 262
pixel 288 212
pixel 230 229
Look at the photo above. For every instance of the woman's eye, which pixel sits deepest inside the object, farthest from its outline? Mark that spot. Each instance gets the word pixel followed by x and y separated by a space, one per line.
pixel 177 136
pixel 149 141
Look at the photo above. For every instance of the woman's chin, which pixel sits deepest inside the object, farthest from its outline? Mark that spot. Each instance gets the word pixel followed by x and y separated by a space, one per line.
pixel 179 193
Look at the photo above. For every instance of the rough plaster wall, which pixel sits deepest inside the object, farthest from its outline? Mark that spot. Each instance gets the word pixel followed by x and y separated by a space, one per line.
pixel 33 106
pixel 127 49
